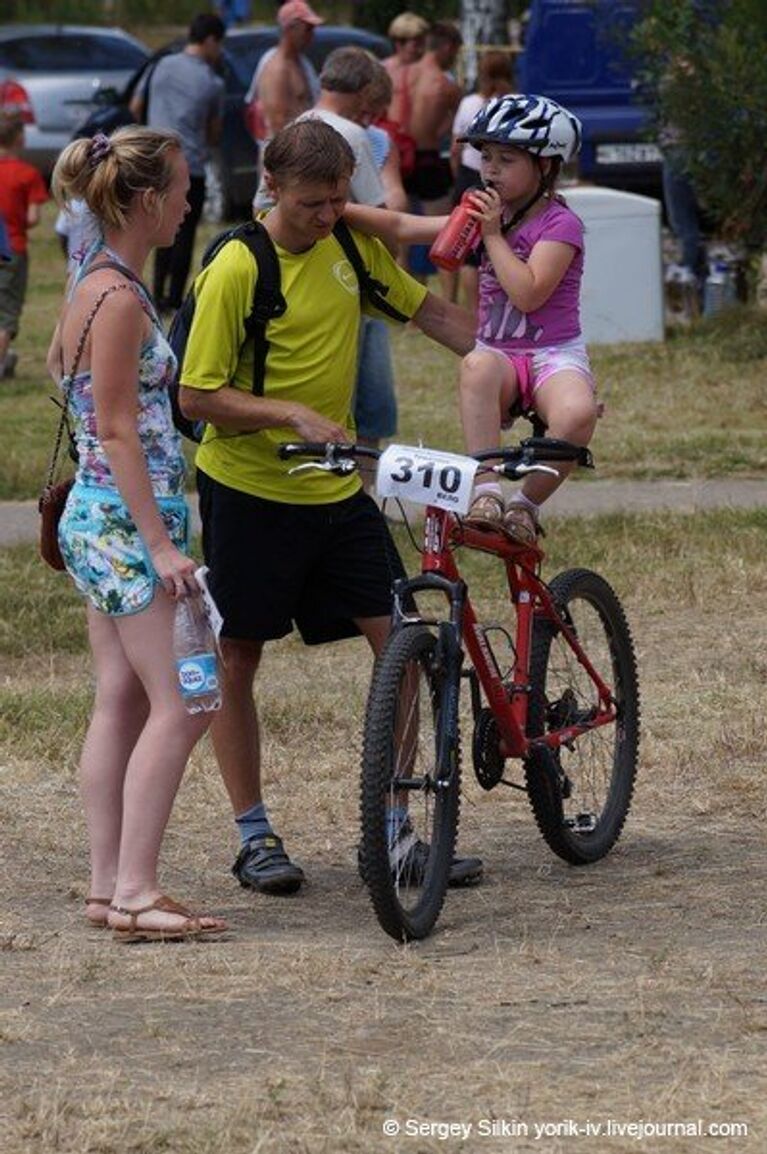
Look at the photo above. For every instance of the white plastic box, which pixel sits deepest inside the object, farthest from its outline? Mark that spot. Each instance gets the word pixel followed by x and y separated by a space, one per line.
pixel 622 296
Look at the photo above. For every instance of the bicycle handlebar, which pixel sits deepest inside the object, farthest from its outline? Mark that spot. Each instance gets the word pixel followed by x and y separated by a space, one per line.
pixel 534 449
pixel 335 450
pixel 341 454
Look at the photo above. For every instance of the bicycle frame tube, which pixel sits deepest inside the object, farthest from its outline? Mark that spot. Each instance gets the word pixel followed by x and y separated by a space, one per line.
pixel 507 699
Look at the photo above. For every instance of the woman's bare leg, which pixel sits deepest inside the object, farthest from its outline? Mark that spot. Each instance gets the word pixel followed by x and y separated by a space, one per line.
pixel 157 761
pixel 119 714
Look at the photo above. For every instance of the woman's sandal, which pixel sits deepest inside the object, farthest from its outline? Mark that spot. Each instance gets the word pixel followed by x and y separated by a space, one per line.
pixel 98 923
pixel 192 926
pixel 485 512
pixel 520 524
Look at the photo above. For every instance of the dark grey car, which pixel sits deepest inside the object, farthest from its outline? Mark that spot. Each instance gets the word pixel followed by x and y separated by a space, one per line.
pixel 244 47
pixel 52 73
pixel 232 174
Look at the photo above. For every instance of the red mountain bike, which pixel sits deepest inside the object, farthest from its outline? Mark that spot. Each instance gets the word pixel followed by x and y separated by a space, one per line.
pixel 565 702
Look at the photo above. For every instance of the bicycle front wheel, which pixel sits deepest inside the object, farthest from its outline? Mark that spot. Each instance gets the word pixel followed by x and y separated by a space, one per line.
pixel 410 802
pixel 581 793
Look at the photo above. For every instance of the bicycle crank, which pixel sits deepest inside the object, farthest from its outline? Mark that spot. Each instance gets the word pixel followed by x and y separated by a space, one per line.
pixel 488 761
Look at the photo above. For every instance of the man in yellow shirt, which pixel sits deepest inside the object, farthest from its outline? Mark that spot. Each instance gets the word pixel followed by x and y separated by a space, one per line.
pixel 282 550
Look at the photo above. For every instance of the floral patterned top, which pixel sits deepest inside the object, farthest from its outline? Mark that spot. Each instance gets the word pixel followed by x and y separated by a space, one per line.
pixel 159 438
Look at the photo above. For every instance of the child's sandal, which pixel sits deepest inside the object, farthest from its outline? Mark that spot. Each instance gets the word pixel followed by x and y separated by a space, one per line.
pixel 486 512
pixel 520 524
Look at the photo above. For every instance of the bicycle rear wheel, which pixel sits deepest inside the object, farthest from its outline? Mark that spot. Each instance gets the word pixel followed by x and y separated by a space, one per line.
pixel 405 860
pixel 581 793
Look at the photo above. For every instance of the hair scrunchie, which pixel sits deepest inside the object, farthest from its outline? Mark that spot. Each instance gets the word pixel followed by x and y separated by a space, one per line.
pixel 100 147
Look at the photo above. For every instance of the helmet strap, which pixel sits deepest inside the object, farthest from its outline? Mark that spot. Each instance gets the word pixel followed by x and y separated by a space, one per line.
pixel 516 218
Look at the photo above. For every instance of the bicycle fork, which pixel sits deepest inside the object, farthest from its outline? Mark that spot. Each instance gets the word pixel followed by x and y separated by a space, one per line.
pixel 448 661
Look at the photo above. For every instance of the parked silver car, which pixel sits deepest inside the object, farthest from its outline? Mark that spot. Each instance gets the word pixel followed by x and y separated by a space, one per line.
pixel 51 73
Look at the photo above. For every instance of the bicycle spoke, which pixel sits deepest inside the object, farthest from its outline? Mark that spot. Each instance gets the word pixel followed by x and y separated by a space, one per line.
pixel 409 819
pixel 581 792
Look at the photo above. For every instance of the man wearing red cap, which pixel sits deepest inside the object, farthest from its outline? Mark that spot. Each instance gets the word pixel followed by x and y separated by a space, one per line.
pixel 284 84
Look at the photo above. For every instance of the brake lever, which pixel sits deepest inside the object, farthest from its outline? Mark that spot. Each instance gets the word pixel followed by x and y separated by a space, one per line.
pixel 323 466
pixel 342 468
pixel 522 468
pixel 536 469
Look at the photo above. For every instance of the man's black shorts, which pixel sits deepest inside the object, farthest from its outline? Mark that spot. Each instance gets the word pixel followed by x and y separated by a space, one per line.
pixel 273 565
pixel 432 177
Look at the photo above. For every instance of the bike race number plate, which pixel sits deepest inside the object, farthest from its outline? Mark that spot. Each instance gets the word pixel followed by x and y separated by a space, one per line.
pixel 426 477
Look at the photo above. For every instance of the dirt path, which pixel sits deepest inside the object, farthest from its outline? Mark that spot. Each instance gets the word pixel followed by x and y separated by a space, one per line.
pixel 630 992
pixel 19 519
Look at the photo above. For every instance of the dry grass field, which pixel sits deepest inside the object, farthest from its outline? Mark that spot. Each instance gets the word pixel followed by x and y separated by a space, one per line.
pixel 631 990
pixel 552 1007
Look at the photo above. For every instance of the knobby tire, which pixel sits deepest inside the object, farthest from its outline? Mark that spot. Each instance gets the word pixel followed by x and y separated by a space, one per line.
pixel 599 770
pixel 400 741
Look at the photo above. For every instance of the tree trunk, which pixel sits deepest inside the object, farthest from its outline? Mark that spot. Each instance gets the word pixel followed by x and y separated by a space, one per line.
pixel 482 22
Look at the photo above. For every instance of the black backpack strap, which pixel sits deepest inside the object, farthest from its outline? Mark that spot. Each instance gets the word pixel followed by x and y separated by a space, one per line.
pixel 373 289
pixel 268 301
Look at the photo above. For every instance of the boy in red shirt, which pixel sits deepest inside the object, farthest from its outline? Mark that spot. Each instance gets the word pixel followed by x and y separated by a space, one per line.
pixel 22 191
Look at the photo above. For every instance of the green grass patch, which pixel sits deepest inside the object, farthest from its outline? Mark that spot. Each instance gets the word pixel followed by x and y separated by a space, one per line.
pixel 44 723
pixel 660 561
pixel 692 407
pixel 671 571
pixel 40 612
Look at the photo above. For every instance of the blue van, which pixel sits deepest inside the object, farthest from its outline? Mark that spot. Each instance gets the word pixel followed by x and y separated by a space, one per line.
pixel 575 52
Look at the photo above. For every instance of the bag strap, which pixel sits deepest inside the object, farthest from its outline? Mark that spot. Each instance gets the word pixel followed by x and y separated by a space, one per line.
pixel 63 424
pixel 404 103
pixel 373 289
pixel 146 81
pixel 144 295
pixel 147 91
pixel 87 328
pixel 66 380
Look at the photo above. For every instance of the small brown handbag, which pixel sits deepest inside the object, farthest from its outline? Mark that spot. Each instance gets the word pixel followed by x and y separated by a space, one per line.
pixel 54 495
pixel 51 505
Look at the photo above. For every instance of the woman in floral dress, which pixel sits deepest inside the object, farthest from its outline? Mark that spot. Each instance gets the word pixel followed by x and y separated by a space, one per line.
pixel 124 531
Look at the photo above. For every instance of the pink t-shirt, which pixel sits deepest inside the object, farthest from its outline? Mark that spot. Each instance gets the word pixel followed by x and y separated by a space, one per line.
pixel 500 323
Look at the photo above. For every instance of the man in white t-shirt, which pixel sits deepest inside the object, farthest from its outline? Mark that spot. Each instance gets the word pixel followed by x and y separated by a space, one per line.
pixel 344 81
pixel 77 229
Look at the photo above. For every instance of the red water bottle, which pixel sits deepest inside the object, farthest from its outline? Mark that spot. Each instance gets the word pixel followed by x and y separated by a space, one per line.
pixel 457 238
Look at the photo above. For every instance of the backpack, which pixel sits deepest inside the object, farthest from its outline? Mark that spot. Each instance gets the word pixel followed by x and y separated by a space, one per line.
pixel 268 303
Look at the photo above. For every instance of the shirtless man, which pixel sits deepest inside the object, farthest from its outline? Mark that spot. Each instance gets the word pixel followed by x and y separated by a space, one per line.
pixel 407 33
pixel 434 98
pixel 284 85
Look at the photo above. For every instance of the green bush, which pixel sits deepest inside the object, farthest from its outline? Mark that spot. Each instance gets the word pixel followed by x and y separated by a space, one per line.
pixel 133 14
pixel 704 68
pixel 377 15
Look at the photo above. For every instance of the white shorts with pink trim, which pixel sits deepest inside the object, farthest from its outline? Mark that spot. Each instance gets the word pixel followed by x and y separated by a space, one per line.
pixel 534 366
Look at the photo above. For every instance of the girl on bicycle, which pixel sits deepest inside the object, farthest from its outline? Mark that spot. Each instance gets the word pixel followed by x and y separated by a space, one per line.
pixel 529 354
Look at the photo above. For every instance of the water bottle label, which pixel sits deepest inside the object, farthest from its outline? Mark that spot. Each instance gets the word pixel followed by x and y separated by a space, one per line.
pixel 197 675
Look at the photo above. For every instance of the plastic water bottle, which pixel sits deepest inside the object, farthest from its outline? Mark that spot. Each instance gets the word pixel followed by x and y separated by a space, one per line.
pixel 194 647
pixel 719 289
pixel 458 237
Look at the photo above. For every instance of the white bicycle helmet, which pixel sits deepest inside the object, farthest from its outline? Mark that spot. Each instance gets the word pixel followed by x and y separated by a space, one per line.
pixel 533 123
